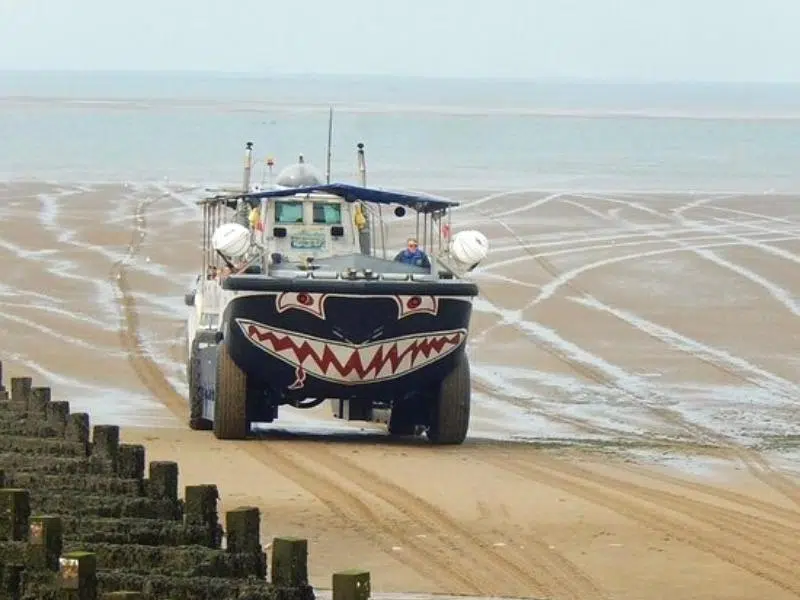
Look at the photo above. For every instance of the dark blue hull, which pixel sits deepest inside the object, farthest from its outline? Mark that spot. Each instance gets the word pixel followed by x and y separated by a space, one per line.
pixel 296 345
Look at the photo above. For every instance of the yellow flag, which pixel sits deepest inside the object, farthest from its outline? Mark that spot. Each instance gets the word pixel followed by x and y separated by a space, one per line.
pixel 255 218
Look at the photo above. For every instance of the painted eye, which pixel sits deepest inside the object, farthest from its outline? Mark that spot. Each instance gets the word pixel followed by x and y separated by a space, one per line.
pixel 410 305
pixel 309 302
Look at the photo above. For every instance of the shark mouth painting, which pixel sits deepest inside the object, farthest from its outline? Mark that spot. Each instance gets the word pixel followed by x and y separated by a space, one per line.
pixel 352 364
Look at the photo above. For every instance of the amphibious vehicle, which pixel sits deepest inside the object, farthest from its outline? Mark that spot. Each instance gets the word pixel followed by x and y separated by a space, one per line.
pixel 300 300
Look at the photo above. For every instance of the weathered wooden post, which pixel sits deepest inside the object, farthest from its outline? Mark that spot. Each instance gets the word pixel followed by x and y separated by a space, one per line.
pixel 3 390
pixel 57 415
pixel 243 528
pixel 163 480
pixel 353 584
pixel 38 402
pixel 201 505
pixel 131 461
pixel 289 562
pixel 200 510
pixel 77 429
pixel 45 541
pixel 15 510
pixel 105 443
pixel 77 574
pixel 20 392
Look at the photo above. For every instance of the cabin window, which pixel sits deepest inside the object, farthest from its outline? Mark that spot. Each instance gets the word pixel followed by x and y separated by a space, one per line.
pixel 288 212
pixel 327 213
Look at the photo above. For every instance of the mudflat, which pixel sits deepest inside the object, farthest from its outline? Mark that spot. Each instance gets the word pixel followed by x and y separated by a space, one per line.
pixel 636 423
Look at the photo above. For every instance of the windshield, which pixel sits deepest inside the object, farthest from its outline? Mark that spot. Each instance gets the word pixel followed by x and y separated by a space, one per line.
pixel 288 212
pixel 327 213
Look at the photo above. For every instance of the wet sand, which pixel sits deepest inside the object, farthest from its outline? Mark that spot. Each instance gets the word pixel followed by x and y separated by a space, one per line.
pixel 636 419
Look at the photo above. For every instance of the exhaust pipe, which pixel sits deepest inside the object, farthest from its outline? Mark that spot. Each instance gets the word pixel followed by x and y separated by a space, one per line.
pixel 362 164
pixel 248 166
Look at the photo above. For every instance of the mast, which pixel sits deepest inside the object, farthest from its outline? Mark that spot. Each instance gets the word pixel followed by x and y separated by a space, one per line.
pixel 330 143
pixel 242 215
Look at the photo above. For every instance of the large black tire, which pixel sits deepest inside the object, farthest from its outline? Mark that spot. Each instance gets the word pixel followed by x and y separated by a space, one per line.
pixel 451 406
pixel 230 402
pixel 196 419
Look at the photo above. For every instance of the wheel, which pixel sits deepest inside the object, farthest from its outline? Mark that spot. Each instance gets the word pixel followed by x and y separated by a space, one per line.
pixel 196 419
pixel 230 402
pixel 450 411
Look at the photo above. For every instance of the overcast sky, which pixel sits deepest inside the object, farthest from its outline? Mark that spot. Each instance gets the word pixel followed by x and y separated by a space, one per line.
pixel 736 40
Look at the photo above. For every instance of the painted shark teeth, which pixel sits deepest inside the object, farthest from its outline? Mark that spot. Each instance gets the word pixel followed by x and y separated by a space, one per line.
pixel 348 364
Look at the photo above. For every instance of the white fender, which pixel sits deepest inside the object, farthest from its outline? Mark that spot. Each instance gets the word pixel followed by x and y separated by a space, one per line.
pixel 469 248
pixel 232 239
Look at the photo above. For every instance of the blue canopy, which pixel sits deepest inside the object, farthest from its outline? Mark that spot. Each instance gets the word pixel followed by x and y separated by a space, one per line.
pixel 351 193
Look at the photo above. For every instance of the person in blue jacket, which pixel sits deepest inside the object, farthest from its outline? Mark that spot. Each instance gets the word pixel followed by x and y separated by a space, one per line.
pixel 412 255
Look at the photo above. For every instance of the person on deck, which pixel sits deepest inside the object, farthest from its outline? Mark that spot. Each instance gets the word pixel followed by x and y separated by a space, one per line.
pixel 362 226
pixel 412 255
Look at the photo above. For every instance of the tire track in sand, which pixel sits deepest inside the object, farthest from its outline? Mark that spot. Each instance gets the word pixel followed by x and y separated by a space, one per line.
pixel 737 538
pixel 737 520
pixel 758 466
pixel 720 493
pixel 584 425
pixel 465 556
pixel 434 561
pixel 628 439
pixel 755 463
pixel 146 369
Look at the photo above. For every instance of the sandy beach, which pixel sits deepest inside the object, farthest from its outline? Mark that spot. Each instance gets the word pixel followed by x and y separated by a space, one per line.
pixel 636 407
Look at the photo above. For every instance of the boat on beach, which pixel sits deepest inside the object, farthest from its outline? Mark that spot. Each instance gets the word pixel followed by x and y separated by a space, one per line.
pixel 303 297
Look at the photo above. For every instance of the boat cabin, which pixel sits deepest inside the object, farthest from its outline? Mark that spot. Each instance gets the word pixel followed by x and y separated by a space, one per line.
pixel 315 225
pixel 302 221
pixel 301 226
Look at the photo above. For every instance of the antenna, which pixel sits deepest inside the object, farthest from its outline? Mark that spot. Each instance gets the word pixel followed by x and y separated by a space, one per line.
pixel 330 142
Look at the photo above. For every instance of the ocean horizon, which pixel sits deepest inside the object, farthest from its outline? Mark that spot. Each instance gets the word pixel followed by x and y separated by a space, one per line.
pixel 422 133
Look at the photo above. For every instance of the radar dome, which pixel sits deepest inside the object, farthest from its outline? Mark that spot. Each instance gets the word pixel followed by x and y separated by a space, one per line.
pixel 299 175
